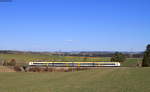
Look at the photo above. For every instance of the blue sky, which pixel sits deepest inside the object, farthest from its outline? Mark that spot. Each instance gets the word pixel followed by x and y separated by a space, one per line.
pixel 75 25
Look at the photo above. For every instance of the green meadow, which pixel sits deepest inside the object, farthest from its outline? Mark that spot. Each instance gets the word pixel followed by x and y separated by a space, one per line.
pixel 25 58
pixel 127 78
pixel 101 80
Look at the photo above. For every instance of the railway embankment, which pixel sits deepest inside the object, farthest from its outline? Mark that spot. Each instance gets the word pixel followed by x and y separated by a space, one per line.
pixel 53 69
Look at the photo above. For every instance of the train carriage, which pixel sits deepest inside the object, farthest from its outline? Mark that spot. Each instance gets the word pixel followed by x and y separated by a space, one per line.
pixel 76 64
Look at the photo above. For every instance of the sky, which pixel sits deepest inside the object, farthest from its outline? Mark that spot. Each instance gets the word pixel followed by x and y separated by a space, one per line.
pixel 75 25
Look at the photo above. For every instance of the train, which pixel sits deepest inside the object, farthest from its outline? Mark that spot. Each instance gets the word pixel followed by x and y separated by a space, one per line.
pixel 76 64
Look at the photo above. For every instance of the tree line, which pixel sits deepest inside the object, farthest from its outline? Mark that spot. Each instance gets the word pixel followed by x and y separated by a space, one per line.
pixel 120 57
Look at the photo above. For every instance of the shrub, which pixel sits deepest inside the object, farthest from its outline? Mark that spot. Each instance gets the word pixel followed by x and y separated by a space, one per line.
pixel 17 68
pixel 35 69
pixel 5 63
pixel 118 57
pixel 12 62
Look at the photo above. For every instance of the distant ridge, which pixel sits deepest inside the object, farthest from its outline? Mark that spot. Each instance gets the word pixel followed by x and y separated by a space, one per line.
pixel 78 53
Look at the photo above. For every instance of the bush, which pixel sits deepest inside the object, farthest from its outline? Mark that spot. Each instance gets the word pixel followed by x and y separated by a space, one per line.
pixel 17 68
pixel 35 69
pixel 5 63
pixel 12 62
pixel 118 57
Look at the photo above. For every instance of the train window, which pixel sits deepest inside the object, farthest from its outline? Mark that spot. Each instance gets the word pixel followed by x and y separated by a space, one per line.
pixel 38 63
pixel 59 64
pixel 50 64
pixel 71 64
pixel 86 64
pixel 107 64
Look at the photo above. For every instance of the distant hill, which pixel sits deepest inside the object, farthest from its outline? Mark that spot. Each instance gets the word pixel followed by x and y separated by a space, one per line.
pixel 82 53
pixel 98 54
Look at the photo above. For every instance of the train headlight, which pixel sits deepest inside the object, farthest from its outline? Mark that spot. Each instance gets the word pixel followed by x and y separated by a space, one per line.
pixel 30 63
pixel 119 64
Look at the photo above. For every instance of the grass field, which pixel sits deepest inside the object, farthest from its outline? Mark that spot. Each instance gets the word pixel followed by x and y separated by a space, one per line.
pixel 25 58
pixel 44 57
pixel 123 79
pixel 101 80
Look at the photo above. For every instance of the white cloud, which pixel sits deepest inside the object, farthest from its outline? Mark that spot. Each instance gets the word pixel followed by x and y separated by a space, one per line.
pixel 69 41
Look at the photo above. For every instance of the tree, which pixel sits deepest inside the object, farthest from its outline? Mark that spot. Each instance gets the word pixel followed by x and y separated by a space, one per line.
pixel 118 57
pixel 5 63
pixel 12 62
pixel 146 58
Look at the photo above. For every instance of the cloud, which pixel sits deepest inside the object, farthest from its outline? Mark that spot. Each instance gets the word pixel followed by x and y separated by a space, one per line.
pixel 69 41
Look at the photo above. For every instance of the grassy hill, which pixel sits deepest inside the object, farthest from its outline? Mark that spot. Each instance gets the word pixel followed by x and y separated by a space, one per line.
pixel 101 80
